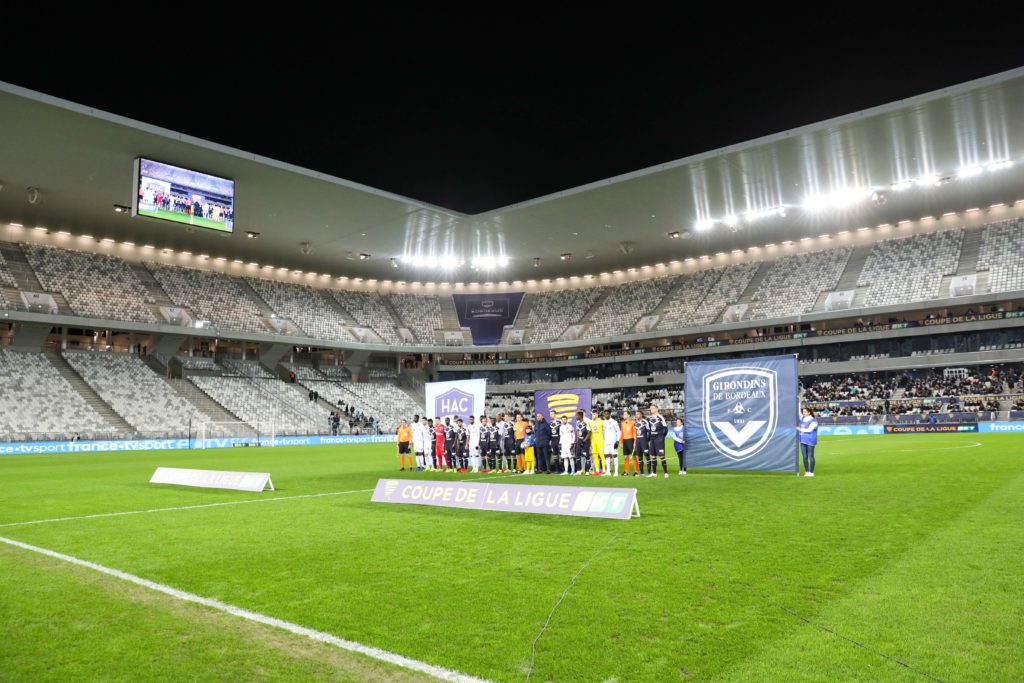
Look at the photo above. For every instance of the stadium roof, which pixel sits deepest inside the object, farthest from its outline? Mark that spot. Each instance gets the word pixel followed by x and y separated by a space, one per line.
pixel 944 151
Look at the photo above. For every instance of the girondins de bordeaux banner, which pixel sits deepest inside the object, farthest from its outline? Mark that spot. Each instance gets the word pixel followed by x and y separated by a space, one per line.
pixel 486 315
pixel 742 414
pixel 561 402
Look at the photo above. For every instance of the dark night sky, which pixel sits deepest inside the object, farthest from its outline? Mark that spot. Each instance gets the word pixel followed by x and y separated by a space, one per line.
pixel 473 114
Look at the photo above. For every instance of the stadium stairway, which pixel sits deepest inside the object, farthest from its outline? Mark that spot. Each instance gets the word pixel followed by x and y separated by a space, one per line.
pixel 206 405
pixel 102 408
pixel 969 250
pixel 670 296
pixel 586 320
pixel 748 294
pixel 154 288
pixel 450 318
pixel 19 267
pixel 397 319
pixel 968 264
pixel 265 310
pixel 333 304
pixel 848 279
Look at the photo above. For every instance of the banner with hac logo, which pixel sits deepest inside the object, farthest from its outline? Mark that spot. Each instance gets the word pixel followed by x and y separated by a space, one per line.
pixel 460 398
pixel 742 413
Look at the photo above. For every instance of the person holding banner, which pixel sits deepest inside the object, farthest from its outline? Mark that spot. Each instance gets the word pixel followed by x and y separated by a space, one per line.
pixel 679 441
pixel 808 429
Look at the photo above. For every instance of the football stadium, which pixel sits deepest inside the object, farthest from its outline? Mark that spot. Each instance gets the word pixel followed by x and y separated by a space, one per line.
pixel 756 414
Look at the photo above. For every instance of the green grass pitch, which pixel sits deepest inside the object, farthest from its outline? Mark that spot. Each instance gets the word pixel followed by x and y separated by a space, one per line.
pixel 184 218
pixel 901 560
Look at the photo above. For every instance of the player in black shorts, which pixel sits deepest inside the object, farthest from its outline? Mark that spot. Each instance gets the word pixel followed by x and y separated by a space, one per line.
pixel 659 432
pixel 640 449
pixel 449 444
pixel 582 442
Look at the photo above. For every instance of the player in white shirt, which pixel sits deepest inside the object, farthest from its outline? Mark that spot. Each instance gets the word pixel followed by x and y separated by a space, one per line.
pixel 428 444
pixel 417 441
pixel 567 444
pixel 474 443
pixel 612 437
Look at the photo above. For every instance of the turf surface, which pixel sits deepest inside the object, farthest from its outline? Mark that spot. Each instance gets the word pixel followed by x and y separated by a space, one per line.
pixel 177 217
pixel 899 561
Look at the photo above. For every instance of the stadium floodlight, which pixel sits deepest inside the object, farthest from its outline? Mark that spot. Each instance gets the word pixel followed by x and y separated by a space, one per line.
pixel 503 261
pixel 928 181
pixel 731 220
pixel 969 172
pixel 999 165
pixel 902 185
pixel 704 224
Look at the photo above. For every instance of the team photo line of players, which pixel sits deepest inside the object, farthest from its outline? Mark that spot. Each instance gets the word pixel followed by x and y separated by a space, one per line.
pixel 580 446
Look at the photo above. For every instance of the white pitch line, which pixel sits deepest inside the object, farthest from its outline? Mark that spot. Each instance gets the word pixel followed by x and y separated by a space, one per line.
pixel 319 636
pixel 928 450
pixel 184 507
pixel 211 505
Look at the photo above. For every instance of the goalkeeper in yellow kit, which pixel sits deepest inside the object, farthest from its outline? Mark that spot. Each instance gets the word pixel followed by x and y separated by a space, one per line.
pixel 597 442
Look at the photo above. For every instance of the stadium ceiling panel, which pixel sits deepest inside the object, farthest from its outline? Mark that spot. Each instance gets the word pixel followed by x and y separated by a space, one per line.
pixel 927 155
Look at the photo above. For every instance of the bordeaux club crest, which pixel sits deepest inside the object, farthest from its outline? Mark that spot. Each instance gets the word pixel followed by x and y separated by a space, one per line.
pixel 740 410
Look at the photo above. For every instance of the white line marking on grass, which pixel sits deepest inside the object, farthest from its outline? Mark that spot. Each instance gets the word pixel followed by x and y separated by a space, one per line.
pixel 944 448
pixel 185 507
pixel 319 636
pixel 212 505
pixel 572 582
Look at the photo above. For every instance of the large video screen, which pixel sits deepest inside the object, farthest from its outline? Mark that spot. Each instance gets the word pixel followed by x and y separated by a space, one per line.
pixel 180 195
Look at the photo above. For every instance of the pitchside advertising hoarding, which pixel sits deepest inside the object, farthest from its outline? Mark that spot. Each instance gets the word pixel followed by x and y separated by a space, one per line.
pixel 742 414
pixel 562 402
pixel 571 501
pixel 95 446
pixel 460 398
